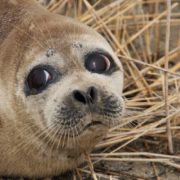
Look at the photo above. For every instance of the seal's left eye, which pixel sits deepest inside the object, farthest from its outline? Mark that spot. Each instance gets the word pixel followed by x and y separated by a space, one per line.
pixel 38 79
pixel 97 63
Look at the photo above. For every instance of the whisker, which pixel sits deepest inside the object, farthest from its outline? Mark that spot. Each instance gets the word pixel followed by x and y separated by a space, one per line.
pixel 61 132
pixel 59 140
pixel 53 140
pixel 23 145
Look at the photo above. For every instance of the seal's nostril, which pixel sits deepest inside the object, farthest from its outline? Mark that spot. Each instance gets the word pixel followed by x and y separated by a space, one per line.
pixel 92 93
pixel 80 96
pixel 86 98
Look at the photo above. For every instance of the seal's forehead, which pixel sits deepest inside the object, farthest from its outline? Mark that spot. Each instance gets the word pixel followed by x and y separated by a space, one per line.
pixel 72 36
pixel 63 30
pixel 93 42
pixel 74 48
pixel 67 38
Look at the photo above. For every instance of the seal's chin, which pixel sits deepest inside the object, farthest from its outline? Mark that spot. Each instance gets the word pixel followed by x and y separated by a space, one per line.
pixel 79 140
pixel 92 134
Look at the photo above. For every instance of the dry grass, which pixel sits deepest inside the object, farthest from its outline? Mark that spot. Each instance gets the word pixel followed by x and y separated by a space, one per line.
pixel 146 37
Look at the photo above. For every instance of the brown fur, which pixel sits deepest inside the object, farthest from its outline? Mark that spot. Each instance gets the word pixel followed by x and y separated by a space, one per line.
pixel 27 32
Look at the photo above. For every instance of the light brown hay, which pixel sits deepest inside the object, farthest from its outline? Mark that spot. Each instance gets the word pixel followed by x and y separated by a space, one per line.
pixel 146 37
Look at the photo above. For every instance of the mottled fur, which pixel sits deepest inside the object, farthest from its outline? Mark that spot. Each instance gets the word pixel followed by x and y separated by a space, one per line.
pixel 33 142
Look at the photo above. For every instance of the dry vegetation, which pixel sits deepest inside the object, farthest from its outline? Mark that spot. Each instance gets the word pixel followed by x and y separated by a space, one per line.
pixel 145 34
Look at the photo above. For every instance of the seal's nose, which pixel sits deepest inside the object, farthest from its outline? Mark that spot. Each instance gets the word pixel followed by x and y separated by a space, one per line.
pixel 88 97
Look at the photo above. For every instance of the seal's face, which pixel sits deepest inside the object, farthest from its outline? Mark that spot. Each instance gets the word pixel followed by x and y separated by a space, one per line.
pixel 62 84
pixel 71 86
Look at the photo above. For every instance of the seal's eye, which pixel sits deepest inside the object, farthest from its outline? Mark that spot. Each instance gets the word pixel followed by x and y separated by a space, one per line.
pixel 38 79
pixel 97 63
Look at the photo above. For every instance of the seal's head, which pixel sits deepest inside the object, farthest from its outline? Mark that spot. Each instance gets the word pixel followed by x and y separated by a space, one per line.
pixel 63 87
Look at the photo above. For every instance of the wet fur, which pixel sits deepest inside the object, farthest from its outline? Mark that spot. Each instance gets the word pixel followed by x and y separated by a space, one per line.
pixel 33 142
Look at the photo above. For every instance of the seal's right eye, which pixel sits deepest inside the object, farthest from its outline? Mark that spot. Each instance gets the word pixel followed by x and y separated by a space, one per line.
pixel 38 79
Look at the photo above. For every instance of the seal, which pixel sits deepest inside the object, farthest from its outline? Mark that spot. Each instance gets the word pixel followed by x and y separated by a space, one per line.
pixel 60 90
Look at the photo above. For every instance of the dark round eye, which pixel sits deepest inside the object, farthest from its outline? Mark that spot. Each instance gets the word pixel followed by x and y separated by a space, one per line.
pixel 38 79
pixel 97 63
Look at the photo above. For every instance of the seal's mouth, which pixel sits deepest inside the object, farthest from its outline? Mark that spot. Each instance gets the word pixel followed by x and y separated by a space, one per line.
pixel 92 124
